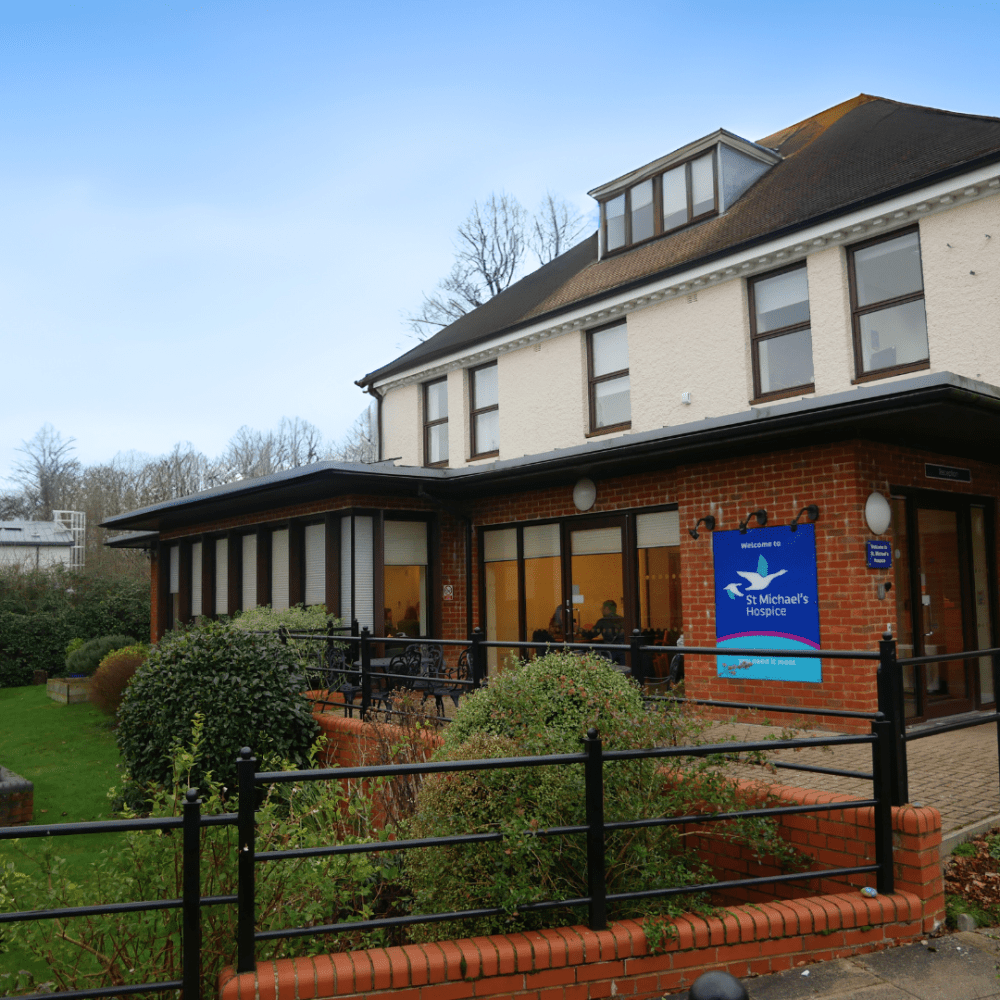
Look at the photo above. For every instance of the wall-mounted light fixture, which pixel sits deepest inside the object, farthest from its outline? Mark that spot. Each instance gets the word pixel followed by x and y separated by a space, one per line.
pixel 760 516
pixel 878 514
pixel 708 521
pixel 881 589
pixel 811 512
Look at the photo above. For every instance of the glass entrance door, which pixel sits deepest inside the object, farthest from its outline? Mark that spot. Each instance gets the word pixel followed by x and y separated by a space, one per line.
pixel 597 585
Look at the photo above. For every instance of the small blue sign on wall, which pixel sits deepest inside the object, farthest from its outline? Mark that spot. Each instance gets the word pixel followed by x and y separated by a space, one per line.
pixel 766 598
pixel 879 554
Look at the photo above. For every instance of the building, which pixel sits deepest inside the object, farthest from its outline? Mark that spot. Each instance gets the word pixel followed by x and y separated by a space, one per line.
pixel 36 544
pixel 799 329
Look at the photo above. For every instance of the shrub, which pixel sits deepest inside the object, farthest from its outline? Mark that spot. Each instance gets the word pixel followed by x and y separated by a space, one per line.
pixel 87 658
pixel 247 687
pixel 545 707
pixel 122 948
pixel 107 686
pixel 73 645
pixel 296 619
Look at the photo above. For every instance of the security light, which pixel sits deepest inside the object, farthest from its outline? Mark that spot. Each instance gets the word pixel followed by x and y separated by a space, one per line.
pixel 708 521
pixel 811 512
pixel 760 516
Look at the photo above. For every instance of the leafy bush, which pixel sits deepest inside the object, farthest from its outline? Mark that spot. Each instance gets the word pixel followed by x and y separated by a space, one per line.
pixel 87 658
pixel 247 687
pixel 131 947
pixel 73 645
pixel 545 707
pixel 107 686
pixel 41 611
pixel 296 619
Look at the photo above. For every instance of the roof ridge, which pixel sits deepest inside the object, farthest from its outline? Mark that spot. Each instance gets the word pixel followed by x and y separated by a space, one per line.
pixel 824 119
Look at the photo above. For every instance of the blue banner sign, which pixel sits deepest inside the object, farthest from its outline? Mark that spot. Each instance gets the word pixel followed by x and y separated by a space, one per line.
pixel 879 554
pixel 766 598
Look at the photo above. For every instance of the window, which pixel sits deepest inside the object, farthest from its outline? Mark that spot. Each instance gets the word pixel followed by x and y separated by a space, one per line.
pixel 248 595
pixel 314 550
pixel 781 341
pixel 610 401
pixel 436 422
pixel 887 304
pixel 405 578
pixel 661 204
pixel 485 399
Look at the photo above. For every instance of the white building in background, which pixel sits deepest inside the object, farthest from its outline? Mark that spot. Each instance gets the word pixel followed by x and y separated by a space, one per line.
pixel 36 544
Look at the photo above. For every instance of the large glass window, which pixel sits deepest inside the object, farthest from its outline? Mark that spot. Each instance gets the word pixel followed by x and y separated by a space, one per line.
pixel 484 390
pixel 610 397
pixel 500 579
pixel 887 293
pixel 357 570
pixel 248 595
pixel 780 334
pixel 543 610
pixel 314 550
pixel 196 600
pixel 614 220
pixel 643 215
pixel 405 578
pixel 436 422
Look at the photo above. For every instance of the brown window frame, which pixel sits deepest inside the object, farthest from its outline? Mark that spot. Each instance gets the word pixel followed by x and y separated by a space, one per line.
pixel 857 311
pixel 657 179
pixel 756 338
pixel 473 412
pixel 594 380
pixel 428 424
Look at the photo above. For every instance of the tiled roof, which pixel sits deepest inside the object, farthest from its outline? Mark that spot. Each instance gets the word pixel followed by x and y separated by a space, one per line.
pixel 854 153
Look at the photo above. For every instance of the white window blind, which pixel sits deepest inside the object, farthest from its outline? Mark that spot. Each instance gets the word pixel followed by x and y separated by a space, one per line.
pixel 656 530
pixel 364 575
pixel 249 582
pixel 196 579
pixel 315 546
pixel 596 541
pixel 405 543
pixel 500 546
pixel 222 576
pixel 279 569
pixel 541 541
pixel 175 569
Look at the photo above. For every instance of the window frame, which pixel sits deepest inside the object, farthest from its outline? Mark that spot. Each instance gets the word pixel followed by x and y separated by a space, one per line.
pixel 657 180
pixel 594 380
pixel 473 412
pixel 428 424
pixel 756 338
pixel 857 311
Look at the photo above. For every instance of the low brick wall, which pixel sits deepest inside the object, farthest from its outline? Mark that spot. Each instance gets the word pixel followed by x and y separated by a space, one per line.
pixel 17 799
pixel 767 933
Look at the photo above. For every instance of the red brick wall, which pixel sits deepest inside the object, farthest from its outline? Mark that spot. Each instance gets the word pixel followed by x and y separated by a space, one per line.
pixel 17 799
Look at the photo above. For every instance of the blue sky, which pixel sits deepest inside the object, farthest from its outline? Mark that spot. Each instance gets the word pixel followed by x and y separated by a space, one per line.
pixel 218 213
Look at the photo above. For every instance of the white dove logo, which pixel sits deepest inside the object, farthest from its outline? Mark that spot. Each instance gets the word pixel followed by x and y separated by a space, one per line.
pixel 733 590
pixel 760 580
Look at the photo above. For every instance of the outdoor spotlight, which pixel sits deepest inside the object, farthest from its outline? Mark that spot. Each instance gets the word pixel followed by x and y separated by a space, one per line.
pixel 811 512
pixel 760 516
pixel 708 521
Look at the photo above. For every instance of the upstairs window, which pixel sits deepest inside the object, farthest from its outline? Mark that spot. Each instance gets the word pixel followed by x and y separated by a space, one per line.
pixel 661 204
pixel 610 397
pixel 436 422
pixel 781 340
pixel 484 391
pixel 887 303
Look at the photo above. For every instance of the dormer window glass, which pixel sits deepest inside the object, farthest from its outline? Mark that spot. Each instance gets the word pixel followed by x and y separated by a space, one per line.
pixel 661 204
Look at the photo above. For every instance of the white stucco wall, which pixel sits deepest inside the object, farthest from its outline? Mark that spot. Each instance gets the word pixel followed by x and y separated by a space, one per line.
pixel 830 320
pixel 34 557
pixel 963 309
pixel 402 425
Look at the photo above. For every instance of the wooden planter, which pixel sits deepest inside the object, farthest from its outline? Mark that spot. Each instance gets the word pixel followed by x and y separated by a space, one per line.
pixel 68 690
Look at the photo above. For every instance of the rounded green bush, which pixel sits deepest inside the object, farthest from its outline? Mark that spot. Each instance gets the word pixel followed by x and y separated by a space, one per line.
pixel 248 687
pixel 87 658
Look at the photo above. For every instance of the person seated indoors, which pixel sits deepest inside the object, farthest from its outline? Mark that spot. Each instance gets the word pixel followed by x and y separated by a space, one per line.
pixel 611 625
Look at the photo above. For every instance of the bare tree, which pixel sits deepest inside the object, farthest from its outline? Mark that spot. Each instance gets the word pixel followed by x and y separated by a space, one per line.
pixel 46 473
pixel 489 252
pixel 360 443
pixel 555 227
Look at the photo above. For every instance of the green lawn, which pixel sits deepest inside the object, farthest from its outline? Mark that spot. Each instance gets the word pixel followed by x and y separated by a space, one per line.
pixel 69 753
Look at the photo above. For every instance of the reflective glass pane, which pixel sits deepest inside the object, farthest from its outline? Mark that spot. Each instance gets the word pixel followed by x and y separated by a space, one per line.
pixel 785 362
pixel 660 603
pixel 702 185
pixel 484 387
pixel 437 401
pixel 642 211
pixel 437 442
pixel 598 599
pixel 488 432
pixel 610 349
pixel 904 608
pixel 501 608
pixel 614 215
pixel 981 602
pixel 894 336
pixel 888 269
pixel 544 614
pixel 612 402
pixel 782 300
pixel 405 608
pixel 675 205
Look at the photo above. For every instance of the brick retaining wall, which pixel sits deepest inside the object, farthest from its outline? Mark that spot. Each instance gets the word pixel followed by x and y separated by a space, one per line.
pixel 17 799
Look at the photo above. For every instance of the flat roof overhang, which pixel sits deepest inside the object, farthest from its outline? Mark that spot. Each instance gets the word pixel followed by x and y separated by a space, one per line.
pixel 943 414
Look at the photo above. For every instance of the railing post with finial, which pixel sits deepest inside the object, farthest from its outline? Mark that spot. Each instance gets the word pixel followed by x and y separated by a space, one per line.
pixel 246 769
pixel 478 656
pixel 191 902
pixel 593 771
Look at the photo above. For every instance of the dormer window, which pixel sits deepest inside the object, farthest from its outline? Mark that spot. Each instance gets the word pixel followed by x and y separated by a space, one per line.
pixel 684 194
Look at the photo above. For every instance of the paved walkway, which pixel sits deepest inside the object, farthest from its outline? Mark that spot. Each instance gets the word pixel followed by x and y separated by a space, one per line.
pixel 957 773
pixel 955 967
